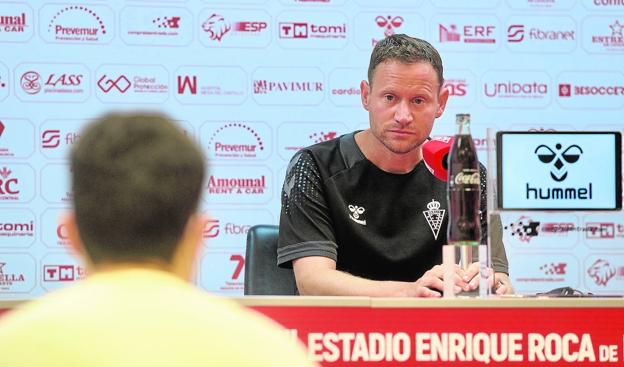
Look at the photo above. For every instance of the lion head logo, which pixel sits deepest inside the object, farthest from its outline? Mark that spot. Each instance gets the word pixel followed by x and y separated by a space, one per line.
pixel 601 272
pixel 216 27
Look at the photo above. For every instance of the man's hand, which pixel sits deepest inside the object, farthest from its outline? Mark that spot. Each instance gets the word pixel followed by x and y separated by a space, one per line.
pixel 465 280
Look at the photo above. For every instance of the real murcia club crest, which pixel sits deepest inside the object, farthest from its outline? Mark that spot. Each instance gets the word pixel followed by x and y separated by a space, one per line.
pixel 434 216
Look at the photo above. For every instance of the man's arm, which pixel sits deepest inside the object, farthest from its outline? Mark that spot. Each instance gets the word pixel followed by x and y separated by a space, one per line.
pixel 317 275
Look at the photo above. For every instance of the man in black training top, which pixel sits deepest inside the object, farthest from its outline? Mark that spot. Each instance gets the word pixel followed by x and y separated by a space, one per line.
pixel 354 209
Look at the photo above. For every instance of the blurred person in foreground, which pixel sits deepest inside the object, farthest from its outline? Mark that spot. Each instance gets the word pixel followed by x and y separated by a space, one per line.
pixel 137 181
pixel 354 209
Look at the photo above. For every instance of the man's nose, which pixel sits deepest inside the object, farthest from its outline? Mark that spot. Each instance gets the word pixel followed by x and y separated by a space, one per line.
pixel 402 115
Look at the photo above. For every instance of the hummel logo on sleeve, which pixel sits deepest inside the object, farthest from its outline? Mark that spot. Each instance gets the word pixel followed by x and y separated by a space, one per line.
pixel 356 211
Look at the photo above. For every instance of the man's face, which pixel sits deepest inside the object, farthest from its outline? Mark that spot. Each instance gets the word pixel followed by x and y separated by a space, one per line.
pixel 403 101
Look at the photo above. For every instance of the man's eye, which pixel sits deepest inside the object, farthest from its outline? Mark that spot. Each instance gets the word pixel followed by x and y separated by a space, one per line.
pixel 417 100
pixel 389 97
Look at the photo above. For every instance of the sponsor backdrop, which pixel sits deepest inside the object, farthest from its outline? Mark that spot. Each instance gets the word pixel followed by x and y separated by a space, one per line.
pixel 255 80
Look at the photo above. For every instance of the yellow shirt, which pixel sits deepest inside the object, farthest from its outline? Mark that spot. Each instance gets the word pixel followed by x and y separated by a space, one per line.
pixel 135 318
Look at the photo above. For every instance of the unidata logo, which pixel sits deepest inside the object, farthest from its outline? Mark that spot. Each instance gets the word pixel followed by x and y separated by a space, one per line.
pixel 512 89
pixel 469 33
pixel 63 273
pixel 241 140
pixel 76 23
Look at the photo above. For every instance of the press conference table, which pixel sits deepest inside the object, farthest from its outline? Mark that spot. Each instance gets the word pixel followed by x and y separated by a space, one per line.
pixel 355 331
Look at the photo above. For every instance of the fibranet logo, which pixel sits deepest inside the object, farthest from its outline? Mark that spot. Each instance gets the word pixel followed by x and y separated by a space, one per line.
pixel 63 273
pixel 76 23
pixel 211 228
pixel 236 185
pixel 50 138
pixel 235 140
pixel 516 33
pixel 559 158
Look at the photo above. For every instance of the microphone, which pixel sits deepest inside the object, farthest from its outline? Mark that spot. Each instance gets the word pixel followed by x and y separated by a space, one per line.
pixel 435 154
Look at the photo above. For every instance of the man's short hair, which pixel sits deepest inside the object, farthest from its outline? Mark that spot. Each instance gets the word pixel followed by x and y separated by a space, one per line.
pixel 136 180
pixel 406 49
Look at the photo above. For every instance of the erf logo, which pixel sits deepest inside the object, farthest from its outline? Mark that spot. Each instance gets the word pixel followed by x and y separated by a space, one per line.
pixel 8 185
pixel 62 273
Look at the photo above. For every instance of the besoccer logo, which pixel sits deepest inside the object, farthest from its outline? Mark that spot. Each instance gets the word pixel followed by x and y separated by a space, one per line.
pixel 558 158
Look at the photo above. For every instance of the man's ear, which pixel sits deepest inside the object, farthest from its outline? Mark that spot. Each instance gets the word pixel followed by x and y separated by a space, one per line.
pixel 68 221
pixel 364 93
pixel 189 246
pixel 442 99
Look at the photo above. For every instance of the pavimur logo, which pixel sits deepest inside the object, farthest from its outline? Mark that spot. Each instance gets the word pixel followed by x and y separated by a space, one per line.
pixel 558 158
